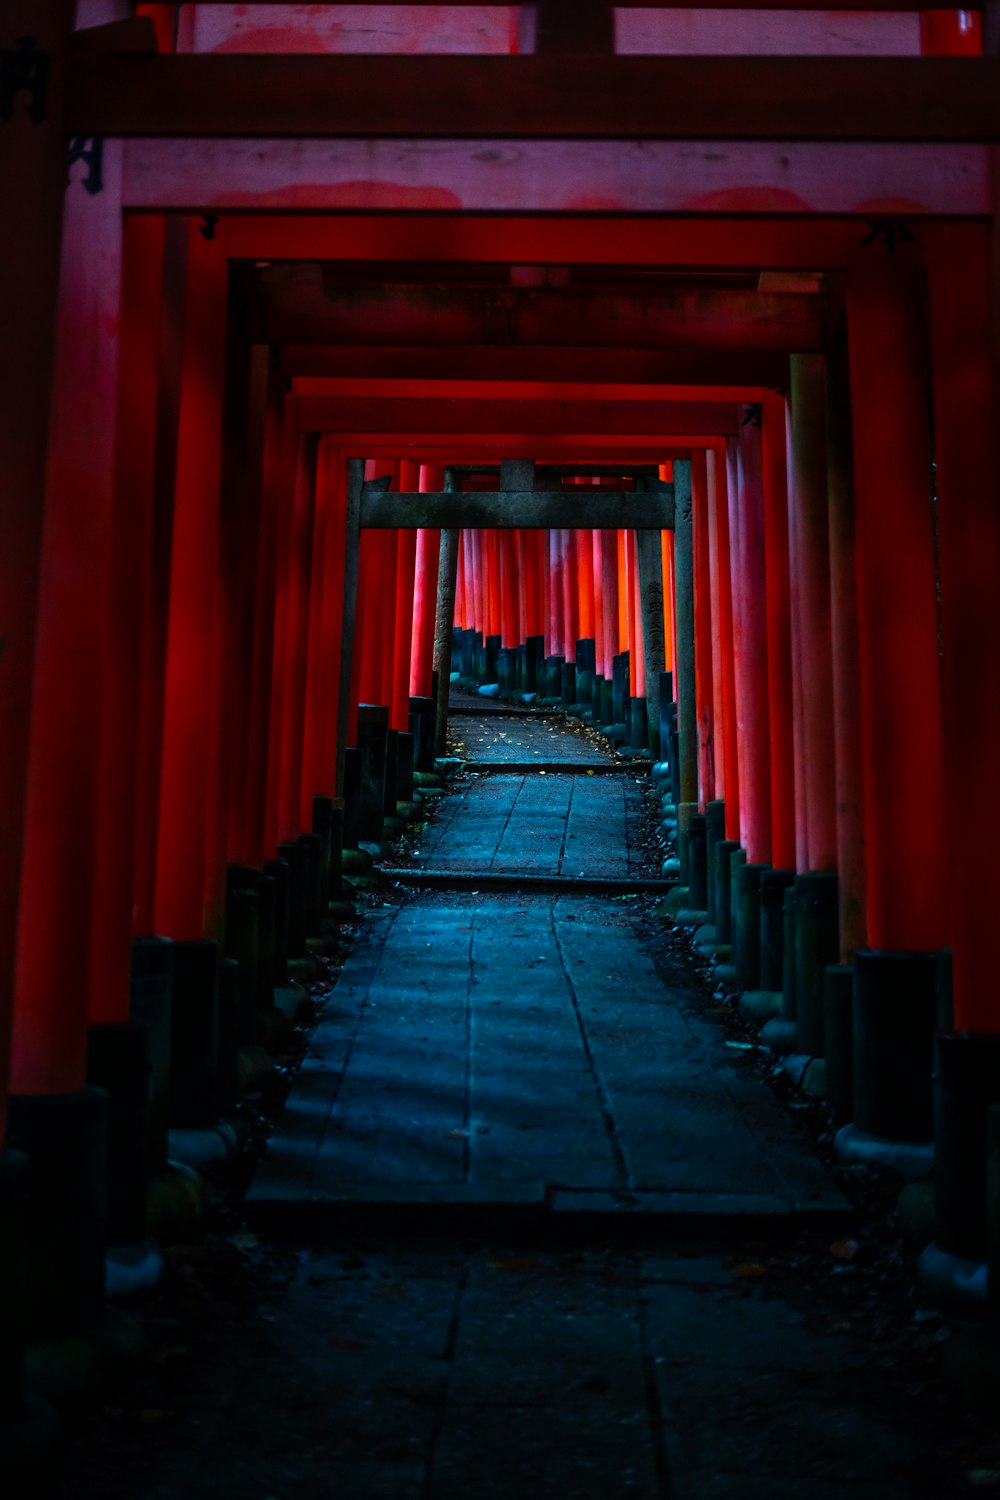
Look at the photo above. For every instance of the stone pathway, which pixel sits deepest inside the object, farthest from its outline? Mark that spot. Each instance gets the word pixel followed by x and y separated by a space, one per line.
pixel 388 1371
pixel 518 1053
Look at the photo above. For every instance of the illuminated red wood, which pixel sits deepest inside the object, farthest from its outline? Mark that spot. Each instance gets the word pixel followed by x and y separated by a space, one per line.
pixel 749 581
pixel 779 651
pixel 406 559
pixel 55 916
pixel 425 595
pixel 299 310
pixel 807 494
pixel 32 175
pixel 570 594
pixel 897 616
pixel 536 97
pixel 189 703
pixel 846 670
pixel 969 545
pixel 703 610
pixel 719 464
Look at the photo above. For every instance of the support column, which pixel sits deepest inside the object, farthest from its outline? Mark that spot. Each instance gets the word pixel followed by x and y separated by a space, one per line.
pixel 779 635
pixel 443 626
pixel 425 592
pixel 750 640
pixel 703 630
pixel 687 714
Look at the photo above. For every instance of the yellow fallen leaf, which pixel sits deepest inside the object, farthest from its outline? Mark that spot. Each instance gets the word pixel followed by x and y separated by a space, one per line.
pixel 748 1269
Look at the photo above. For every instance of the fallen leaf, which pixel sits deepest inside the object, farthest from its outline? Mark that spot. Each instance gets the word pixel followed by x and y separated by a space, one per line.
pixel 844 1249
pixel 152 1416
pixel 748 1270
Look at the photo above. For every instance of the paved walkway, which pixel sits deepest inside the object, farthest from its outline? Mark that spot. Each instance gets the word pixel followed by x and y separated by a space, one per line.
pixel 519 1052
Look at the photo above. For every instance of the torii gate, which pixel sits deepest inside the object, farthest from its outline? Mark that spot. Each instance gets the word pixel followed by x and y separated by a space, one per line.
pixel 654 506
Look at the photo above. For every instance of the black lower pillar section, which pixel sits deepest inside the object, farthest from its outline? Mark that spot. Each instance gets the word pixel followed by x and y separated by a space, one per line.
pixel 638 724
pixel 507 669
pixel 151 999
pixel 373 741
pixel 746 924
pixel 817 944
pixel 838 1005
pixel 773 885
pixel 277 871
pixel 567 683
pixel 966 1084
pixel 491 652
pixel 405 752
pixel 322 826
pixel 724 852
pixel 715 832
pixel 422 713
pixel 534 663
pixel 65 1138
pixel 553 677
pixel 15 1208
pixel 296 856
pixel 697 866
pixel 194 1038
pixel 118 1063
pixel 667 717
pixel 315 906
pixel 895 1014
pixel 353 766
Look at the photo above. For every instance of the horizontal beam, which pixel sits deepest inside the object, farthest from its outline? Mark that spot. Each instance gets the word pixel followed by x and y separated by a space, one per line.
pixel 589 509
pixel 755 367
pixel 310 312
pixel 875 6
pixel 544 98
pixel 399 416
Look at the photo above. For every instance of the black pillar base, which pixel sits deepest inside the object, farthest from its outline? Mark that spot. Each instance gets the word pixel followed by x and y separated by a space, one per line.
pixel 373 740
pixel 746 924
pixel 697 864
pixel 567 683
pixel 15 1208
pixel 297 858
pixel 422 717
pixel 895 1014
pixel 838 1015
pixel 638 734
pixel 194 1044
pixel 65 1138
pixel 118 1063
pixel 773 885
pixel 353 766
pixel 724 851
pixel 817 944
pixel 715 832
pixel 151 996
pixel 405 755
pixel 966 1084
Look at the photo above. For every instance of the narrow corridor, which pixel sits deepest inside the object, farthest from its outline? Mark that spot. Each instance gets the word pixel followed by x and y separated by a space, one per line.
pixel 525 1199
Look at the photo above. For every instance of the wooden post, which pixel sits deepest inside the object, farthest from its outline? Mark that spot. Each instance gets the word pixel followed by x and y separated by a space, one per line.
pixel 650 556
pixel 687 712
pixel 443 626
pixel 352 555
pixel 703 604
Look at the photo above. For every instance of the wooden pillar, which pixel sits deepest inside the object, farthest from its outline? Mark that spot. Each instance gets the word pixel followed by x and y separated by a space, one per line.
pixel 718 466
pixel 61 830
pixel 597 578
pixel 750 640
pixel 849 784
pixel 649 556
pixel 189 705
pixel 807 480
pixel 443 626
pixel 32 176
pixel 583 553
pixel 425 591
pixel 779 635
pixel 403 648
pixel 968 488
pixel 703 629
pixel 687 712
pixel 897 613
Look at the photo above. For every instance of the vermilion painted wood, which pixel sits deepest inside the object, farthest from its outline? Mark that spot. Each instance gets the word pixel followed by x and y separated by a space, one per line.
pixel 805 5
pixel 712 543
pixel 609 596
pixel 951 33
pixel 189 701
pixel 597 577
pixel 703 609
pixel 32 175
pixel 570 594
pixel 510 588
pixel 537 98
pixel 730 746
pixel 123 645
pixel 303 540
pixel 750 645
pixel 293 309
pixel 807 492
pixel 557 609
pixel 425 596
pixel 406 559
pixel 425 418
pixel 846 671
pixel 55 908
pixel 779 638
pixel 315 778
pixel 965 448
pixel 583 552
pixel 545 238
pixel 332 688
pixel 600 367
pixel 901 712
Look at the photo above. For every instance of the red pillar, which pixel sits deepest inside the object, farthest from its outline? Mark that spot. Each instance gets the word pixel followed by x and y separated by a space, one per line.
pixel 557 564
pixel 609 596
pixel 583 554
pixel 727 655
pixel 431 478
pixel 897 615
pixel 570 595
pixel 965 447
pixel 704 685
pixel 807 495
pixel 779 635
pixel 189 704
pixel 61 829
pixel 510 588
pixel 749 579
